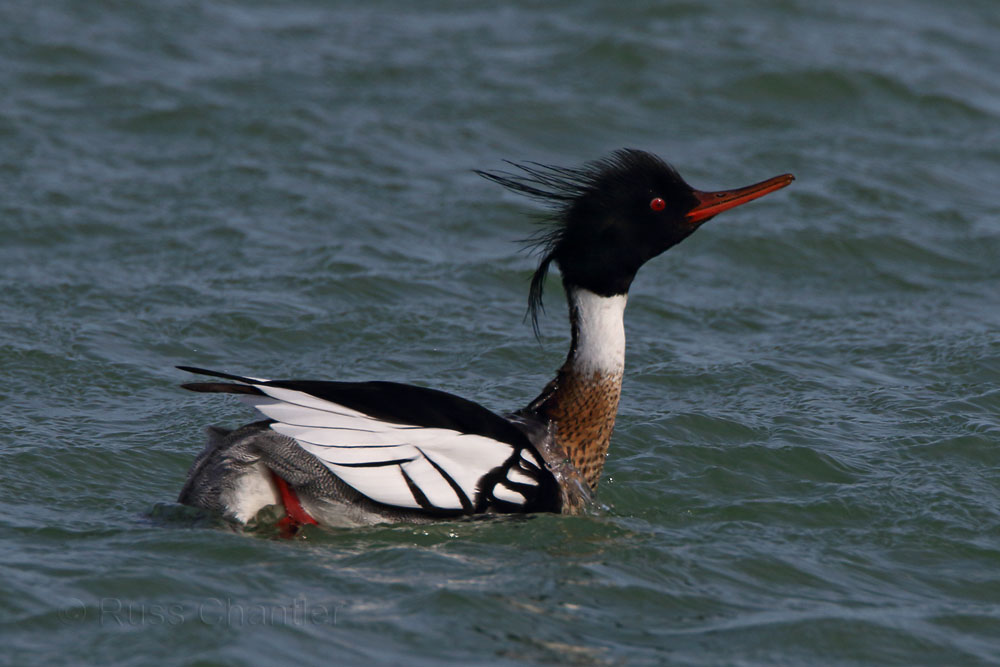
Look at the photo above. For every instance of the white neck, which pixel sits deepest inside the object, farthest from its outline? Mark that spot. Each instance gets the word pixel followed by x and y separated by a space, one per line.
pixel 599 331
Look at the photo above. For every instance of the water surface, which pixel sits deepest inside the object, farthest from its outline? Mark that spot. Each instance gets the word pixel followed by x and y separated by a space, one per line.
pixel 806 468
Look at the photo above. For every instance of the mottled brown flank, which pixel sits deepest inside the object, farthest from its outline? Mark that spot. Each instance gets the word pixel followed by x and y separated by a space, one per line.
pixel 583 407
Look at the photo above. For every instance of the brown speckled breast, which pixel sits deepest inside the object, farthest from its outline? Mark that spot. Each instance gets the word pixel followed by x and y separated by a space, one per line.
pixel 582 407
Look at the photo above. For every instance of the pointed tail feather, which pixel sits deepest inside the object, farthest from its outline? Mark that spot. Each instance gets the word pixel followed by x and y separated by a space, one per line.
pixel 220 374
pixel 222 388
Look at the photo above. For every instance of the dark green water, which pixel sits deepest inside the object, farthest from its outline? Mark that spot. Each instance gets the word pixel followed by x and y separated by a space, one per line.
pixel 806 468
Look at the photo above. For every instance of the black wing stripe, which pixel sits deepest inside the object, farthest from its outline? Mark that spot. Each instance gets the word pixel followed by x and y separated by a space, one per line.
pixel 374 464
pixel 330 428
pixel 313 444
pixel 462 497
pixel 418 495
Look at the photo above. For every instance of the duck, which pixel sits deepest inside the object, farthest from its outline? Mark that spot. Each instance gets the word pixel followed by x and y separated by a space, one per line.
pixel 351 453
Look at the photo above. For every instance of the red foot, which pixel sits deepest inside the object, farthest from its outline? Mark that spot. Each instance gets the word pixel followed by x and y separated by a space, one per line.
pixel 295 514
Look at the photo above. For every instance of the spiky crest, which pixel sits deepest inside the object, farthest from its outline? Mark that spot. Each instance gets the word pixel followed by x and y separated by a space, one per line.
pixel 559 189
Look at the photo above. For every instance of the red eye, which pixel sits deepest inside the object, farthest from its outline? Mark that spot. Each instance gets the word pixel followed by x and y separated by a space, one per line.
pixel 657 204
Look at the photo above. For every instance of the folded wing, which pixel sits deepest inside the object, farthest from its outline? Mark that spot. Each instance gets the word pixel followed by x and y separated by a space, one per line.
pixel 405 446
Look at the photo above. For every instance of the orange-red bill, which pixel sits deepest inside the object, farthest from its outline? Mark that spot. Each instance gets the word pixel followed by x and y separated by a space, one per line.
pixel 713 203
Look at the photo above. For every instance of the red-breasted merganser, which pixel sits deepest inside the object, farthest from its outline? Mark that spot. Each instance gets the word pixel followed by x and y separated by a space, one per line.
pixel 350 453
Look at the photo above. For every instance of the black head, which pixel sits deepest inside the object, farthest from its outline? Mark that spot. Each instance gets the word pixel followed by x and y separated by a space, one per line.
pixel 612 216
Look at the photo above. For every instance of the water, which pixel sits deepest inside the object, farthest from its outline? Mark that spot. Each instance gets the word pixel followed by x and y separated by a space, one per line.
pixel 806 468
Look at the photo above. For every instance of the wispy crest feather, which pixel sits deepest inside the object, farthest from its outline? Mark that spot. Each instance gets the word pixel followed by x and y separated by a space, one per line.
pixel 558 188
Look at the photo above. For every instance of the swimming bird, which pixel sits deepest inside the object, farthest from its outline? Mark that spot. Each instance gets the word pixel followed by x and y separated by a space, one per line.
pixel 350 453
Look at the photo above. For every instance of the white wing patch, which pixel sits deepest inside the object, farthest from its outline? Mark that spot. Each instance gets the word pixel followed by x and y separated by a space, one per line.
pixel 397 464
pixel 519 477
